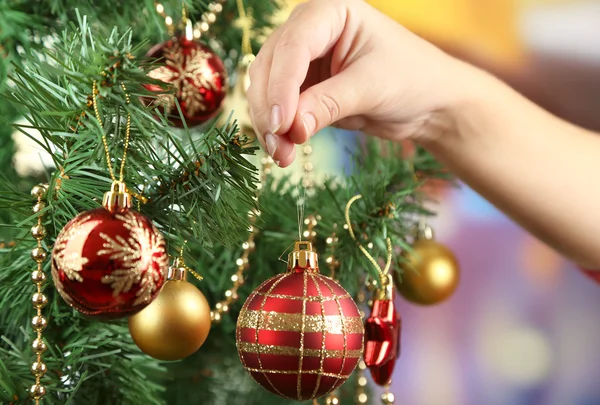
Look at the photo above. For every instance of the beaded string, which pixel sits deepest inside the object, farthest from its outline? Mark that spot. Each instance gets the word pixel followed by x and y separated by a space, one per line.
pixel 39 299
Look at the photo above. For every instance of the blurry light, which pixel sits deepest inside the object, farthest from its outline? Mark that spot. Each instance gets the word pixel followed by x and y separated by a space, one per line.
pixel 519 355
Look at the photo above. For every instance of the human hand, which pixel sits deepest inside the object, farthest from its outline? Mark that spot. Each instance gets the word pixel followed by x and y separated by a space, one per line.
pixel 343 63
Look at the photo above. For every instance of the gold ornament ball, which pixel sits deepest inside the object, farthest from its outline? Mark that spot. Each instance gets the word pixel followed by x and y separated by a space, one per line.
pixel 174 325
pixel 430 274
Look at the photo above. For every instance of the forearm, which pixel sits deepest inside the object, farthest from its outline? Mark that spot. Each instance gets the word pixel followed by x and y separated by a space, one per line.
pixel 541 171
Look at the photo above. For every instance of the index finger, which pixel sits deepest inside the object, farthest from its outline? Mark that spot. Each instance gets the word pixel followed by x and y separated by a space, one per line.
pixel 308 35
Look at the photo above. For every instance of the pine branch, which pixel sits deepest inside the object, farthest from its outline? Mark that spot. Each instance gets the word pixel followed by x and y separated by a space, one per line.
pixel 92 362
pixel 197 186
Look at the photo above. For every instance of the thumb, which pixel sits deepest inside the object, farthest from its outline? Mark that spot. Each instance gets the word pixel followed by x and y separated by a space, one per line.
pixel 325 103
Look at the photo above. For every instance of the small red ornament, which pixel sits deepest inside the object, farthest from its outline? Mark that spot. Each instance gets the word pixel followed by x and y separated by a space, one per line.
pixel 109 262
pixel 299 334
pixel 382 336
pixel 198 76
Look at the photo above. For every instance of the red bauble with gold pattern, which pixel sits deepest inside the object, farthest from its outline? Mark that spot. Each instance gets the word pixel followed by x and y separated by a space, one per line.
pixel 300 335
pixel 198 76
pixel 109 262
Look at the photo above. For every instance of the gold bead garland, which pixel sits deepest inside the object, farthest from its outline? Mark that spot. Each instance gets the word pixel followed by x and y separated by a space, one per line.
pixel 201 27
pixel 243 264
pixel 39 299
pixel 361 396
pixel 332 262
pixel 332 399
pixel 387 398
pixel 311 222
pixel 307 167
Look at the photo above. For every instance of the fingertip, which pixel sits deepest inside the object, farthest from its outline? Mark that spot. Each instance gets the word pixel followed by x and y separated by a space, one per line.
pixel 284 147
pixel 298 133
pixel 287 161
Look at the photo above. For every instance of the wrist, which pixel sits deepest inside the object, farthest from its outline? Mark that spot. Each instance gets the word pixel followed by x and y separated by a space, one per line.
pixel 472 95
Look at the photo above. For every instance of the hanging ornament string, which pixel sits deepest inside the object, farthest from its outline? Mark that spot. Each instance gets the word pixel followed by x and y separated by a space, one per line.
pixel 180 262
pixel 382 272
pixel 39 299
pixel 105 141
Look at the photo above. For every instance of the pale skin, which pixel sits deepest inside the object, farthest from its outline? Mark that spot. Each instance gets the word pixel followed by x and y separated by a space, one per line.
pixel 342 63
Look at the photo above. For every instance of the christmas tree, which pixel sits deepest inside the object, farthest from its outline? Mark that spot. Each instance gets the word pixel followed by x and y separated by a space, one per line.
pixel 113 110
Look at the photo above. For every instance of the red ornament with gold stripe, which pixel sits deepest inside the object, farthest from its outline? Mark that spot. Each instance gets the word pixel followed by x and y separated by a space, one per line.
pixel 300 334
pixel 109 262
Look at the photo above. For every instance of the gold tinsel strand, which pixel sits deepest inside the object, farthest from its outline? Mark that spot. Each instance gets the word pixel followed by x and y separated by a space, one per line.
pixel 39 299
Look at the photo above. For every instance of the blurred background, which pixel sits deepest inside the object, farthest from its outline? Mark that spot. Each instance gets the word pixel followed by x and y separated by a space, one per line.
pixel 522 327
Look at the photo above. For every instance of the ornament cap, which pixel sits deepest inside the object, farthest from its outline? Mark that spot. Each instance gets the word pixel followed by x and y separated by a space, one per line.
pixel 177 272
pixel 117 199
pixel 425 232
pixel 303 257
pixel 386 292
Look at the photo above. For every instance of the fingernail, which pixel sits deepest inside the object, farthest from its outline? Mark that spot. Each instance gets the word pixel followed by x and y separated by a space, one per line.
pixel 271 142
pixel 277 162
pixel 276 118
pixel 310 123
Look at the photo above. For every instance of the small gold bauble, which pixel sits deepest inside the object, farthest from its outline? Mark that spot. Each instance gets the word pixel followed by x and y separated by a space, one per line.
pixel 39 191
pixel 39 254
pixel 37 208
pixel 430 273
pixel 38 346
pixel 39 323
pixel 38 231
pixel 174 325
pixel 38 276
pixel 38 369
pixel 37 391
pixel 39 300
